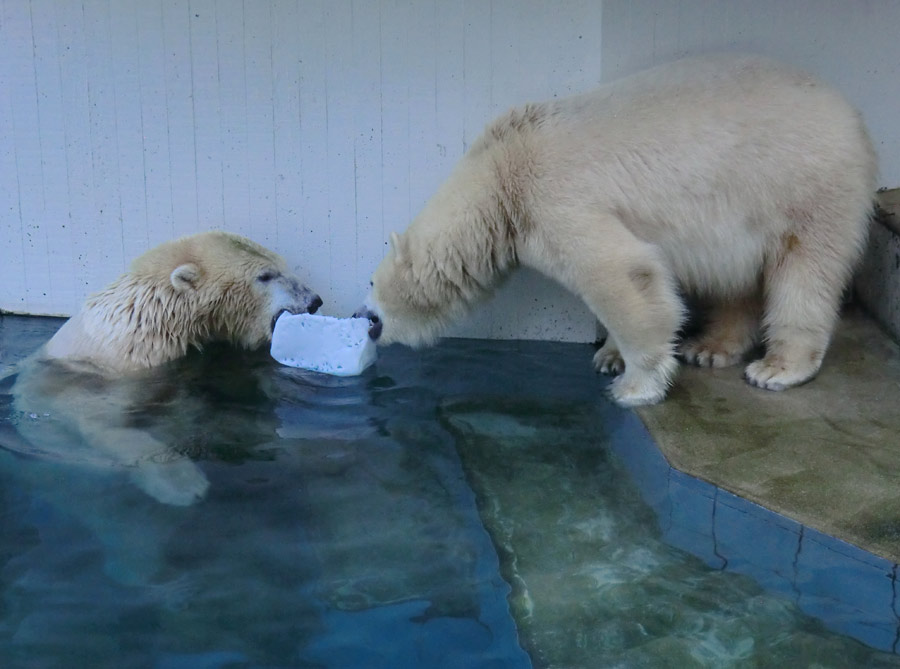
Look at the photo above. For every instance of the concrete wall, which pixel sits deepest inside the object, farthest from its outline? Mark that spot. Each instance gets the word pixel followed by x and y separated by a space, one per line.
pixel 319 126
pixel 850 43
pixel 313 126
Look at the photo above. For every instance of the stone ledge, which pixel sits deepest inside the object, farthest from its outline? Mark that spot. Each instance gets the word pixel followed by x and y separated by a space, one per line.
pixel 824 454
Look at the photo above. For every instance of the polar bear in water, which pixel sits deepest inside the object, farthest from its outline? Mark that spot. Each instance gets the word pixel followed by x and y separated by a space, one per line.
pixel 82 385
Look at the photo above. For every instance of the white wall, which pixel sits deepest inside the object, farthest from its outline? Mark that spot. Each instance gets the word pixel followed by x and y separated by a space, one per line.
pixel 315 127
pixel 852 44
pixel 318 126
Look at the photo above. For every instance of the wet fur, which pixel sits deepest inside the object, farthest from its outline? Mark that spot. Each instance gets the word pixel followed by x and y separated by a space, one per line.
pixel 181 294
pixel 85 383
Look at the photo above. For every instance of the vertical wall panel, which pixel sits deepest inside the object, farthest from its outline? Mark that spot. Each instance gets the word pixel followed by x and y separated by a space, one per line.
pixel 23 119
pixel 87 273
pixel 338 134
pixel 128 190
pixel 419 73
pixel 394 91
pixel 13 270
pixel 180 95
pixel 207 126
pixel 104 230
pixel 156 179
pixel 54 233
pixel 286 139
pixel 233 101
pixel 368 177
pixel 261 180
pixel 311 248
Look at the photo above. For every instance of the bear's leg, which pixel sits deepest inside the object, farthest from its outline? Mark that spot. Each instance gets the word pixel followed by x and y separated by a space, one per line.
pixel 803 283
pixel 628 288
pixel 179 482
pixel 164 475
pixel 642 311
pixel 731 331
pixel 608 358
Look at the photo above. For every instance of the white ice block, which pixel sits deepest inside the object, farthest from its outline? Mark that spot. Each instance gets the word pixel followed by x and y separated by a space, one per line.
pixel 339 346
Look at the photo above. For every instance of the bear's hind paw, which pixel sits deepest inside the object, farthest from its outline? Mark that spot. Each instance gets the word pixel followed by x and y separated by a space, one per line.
pixel 711 352
pixel 773 373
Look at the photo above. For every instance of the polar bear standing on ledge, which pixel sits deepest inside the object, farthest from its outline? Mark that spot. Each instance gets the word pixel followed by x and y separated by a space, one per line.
pixel 739 181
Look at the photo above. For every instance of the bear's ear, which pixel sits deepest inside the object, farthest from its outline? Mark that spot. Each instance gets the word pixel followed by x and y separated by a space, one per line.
pixel 397 244
pixel 185 277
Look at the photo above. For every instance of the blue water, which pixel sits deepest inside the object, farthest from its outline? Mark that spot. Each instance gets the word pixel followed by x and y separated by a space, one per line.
pixel 455 507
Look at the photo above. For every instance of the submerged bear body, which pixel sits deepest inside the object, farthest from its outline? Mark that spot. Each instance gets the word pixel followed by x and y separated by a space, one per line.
pixel 88 380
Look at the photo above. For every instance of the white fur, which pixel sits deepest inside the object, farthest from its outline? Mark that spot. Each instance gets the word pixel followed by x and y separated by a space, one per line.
pixel 213 286
pixel 732 178
pixel 187 292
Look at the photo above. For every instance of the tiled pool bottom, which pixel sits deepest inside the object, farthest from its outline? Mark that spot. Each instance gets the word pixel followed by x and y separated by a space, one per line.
pixel 478 504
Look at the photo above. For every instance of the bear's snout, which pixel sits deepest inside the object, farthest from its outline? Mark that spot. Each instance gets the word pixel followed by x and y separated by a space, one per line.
pixel 376 327
pixel 297 299
pixel 314 304
pixel 304 300
pixel 375 324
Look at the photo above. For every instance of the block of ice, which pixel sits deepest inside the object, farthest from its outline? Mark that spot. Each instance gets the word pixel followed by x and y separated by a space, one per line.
pixel 339 346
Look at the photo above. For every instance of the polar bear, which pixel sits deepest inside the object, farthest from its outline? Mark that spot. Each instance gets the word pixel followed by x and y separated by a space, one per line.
pixel 730 178
pixel 212 286
pixel 80 388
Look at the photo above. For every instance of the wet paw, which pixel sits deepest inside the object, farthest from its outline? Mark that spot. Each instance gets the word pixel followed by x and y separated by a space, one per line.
pixel 608 360
pixel 641 386
pixel 179 483
pixel 636 392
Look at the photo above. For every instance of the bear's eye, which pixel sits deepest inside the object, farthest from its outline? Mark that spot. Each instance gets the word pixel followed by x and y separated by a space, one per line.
pixel 266 276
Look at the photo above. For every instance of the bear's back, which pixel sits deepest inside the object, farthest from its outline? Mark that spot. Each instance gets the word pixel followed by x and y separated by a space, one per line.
pixel 723 98
pixel 696 154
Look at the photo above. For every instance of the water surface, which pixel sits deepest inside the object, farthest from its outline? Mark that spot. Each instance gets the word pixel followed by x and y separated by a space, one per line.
pixel 455 507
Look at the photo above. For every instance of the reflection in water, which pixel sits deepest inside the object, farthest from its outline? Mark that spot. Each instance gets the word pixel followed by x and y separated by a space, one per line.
pixel 390 520
pixel 594 582
pixel 337 531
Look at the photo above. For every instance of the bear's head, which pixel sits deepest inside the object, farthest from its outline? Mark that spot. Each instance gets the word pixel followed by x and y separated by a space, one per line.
pixel 227 286
pixel 412 300
pixel 450 257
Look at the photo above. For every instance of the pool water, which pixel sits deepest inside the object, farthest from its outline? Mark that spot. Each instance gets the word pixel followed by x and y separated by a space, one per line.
pixel 461 506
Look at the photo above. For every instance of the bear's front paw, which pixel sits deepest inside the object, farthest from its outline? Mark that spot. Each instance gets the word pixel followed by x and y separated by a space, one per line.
pixel 608 360
pixel 645 380
pixel 636 392
pixel 773 372
pixel 179 482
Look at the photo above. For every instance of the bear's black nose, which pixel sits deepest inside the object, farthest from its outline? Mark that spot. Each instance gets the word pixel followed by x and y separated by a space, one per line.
pixel 376 327
pixel 314 304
